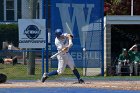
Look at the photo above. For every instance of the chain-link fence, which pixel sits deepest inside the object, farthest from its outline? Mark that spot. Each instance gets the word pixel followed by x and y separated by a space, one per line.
pixel 16 64
pixel 88 34
pixel 84 21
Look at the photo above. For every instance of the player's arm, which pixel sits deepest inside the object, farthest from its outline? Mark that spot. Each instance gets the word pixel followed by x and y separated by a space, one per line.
pixel 70 40
pixel 58 45
pixel 69 36
pixel 120 58
pixel 132 47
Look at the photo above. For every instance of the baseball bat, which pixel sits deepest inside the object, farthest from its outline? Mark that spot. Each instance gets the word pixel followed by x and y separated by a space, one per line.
pixel 53 56
pixel 69 28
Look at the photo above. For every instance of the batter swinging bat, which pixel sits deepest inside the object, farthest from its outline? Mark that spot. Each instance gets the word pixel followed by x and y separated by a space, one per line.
pixel 53 56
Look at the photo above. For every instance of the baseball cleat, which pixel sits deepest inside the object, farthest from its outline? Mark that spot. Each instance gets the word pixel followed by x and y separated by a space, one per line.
pixel 44 77
pixel 81 81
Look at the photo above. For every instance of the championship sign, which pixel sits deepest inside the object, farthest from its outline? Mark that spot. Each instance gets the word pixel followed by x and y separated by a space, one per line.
pixel 32 33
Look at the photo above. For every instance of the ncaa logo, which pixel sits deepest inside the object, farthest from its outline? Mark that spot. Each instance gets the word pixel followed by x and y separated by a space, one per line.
pixel 32 32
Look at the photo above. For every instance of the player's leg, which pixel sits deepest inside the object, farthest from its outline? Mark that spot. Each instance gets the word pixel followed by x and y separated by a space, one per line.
pixel 60 70
pixel 119 67
pixel 136 68
pixel 47 75
pixel 44 77
pixel 73 68
pixel 131 69
pixel 76 73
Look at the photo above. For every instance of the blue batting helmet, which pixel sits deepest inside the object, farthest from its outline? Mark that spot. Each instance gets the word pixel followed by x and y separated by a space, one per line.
pixel 58 32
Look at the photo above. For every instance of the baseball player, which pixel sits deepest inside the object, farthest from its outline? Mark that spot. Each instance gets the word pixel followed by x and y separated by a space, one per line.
pixel 135 55
pixel 63 42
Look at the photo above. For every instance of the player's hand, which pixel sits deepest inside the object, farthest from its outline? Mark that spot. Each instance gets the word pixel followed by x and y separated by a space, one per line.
pixel 65 49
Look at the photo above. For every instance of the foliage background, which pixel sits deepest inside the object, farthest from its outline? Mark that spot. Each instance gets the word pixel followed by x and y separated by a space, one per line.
pixel 9 32
pixel 121 7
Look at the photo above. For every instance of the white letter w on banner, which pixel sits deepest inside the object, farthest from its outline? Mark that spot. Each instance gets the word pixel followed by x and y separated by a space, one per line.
pixel 79 15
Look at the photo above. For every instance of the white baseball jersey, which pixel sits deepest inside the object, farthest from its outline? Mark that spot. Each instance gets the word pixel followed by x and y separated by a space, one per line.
pixel 63 58
pixel 61 43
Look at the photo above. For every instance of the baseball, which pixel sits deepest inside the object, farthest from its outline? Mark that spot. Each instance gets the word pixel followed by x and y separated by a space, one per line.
pixel 84 49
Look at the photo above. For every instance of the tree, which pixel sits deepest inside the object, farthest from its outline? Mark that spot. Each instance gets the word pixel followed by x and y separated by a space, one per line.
pixel 121 7
pixel 136 7
pixel 117 7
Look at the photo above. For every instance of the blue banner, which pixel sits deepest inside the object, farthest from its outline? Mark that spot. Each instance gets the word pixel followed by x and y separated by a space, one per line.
pixel 83 19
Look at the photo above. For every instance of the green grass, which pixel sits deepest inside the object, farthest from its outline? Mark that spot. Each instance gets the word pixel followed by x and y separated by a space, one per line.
pixel 19 72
